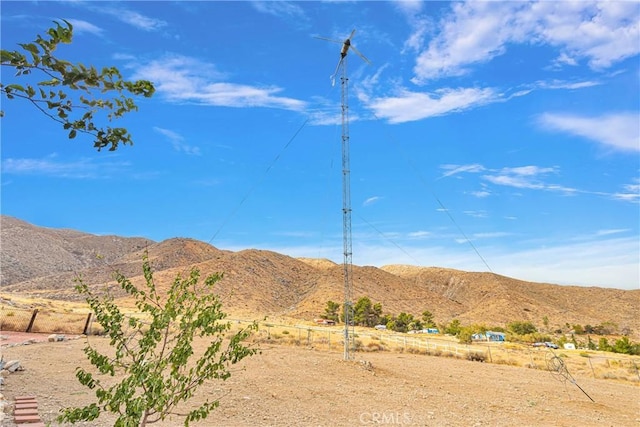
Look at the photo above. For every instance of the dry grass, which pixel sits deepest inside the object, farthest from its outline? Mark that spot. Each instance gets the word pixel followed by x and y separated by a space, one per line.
pixel 70 318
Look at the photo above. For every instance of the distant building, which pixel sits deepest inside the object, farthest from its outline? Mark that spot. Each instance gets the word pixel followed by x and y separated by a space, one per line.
pixel 489 336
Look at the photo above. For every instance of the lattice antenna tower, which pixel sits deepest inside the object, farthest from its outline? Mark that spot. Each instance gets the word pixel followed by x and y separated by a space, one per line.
pixel 347 307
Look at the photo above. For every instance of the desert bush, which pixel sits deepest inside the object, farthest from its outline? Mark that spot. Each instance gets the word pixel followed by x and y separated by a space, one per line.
pixel 374 346
pixel 476 356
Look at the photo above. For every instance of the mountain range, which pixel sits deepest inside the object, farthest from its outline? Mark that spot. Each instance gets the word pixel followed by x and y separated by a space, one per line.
pixel 39 262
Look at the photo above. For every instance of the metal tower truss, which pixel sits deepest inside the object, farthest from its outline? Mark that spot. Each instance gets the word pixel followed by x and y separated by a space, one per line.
pixel 347 307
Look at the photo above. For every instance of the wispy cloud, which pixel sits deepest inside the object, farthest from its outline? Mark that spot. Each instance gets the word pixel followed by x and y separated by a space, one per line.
pixel 183 79
pixel 618 131
pixel 420 234
pixel 601 33
pixel 80 27
pixel 282 9
pixel 177 141
pixel 630 193
pixel 51 166
pixel 609 232
pixel 561 84
pixel 534 178
pixel 477 214
pixel 456 169
pixel 526 177
pixel 409 106
pixel 133 18
pixel 371 200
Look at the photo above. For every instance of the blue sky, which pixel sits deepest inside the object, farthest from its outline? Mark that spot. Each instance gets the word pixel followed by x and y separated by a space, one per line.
pixel 484 135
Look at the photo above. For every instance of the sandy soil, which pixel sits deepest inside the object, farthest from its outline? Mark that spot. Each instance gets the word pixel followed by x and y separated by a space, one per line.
pixel 287 386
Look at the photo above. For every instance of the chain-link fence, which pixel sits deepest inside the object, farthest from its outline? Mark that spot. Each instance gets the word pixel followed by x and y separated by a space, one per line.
pixel 42 321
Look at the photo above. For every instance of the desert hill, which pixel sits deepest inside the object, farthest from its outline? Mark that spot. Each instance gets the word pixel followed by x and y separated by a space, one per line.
pixel 42 262
pixel 30 252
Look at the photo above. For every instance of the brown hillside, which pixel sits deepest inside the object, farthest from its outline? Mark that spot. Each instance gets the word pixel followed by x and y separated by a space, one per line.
pixel 260 283
pixel 502 299
pixel 30 252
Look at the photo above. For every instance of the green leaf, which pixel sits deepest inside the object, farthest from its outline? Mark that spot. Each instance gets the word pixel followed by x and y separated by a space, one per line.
pixel 16 87
pixel 30 47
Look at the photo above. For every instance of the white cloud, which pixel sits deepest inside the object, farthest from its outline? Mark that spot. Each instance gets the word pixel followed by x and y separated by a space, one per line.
pixel 476 214
pixel 283 9
pixel 560 84
pixel 528 177
pixel 134 19
pixel 371 200
pixel 481 194
pixel 408 7
pixel 50 166
pixel 184 79
pixel 177 141
pixel 631 192
pixel 476 32
pixel 456 169
pixel 80 26
pixel 409 106
pixel 619 131
pixel 612 231
pixel 420 234
pixel 535 178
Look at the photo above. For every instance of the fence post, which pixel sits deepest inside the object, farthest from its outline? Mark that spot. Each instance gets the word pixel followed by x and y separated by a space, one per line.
pixel 490 358
pixel 533 365
pixel 85 331
pixel 33 319
pixel 590 364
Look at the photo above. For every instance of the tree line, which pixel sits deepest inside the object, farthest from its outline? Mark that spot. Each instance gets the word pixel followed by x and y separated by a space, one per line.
pixel 366 313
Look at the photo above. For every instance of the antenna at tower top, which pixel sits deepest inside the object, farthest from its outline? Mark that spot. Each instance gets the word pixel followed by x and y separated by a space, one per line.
pixel 346 45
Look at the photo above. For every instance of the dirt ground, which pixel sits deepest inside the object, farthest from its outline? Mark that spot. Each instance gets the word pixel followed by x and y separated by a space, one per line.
pixel 299 386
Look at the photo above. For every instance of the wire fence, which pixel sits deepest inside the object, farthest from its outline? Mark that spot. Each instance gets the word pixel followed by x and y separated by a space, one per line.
pixel 44 321
pixel 580 362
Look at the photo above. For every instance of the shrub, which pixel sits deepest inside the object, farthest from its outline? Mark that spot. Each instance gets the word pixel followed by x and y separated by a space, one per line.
pixel 154 361
pixel 476 356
